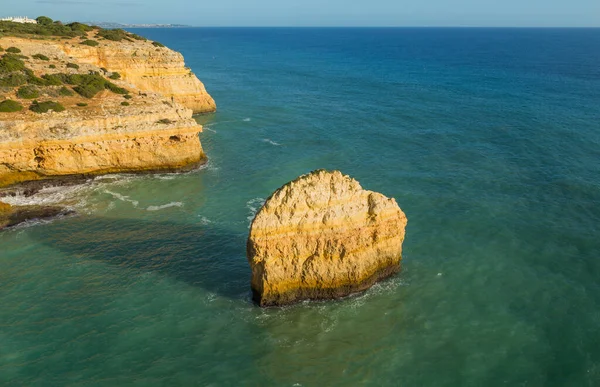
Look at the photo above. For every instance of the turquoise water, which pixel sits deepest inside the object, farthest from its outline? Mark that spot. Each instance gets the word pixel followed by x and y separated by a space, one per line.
pixel 488 139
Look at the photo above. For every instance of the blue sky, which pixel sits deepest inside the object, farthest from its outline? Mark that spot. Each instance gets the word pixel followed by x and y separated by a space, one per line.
pixel 522 13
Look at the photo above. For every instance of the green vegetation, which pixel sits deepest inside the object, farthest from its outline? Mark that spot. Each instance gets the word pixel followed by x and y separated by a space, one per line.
pixel 52 66
pixel 88 85
pixel 10 63
pixel 89 42
pixel 52 79
pixel 157 44
pixel 115 35
pixel 45 28
pixel 10 106
pixel 127 96
pixel 65 92
pixel 125 103
pixel 13 80
pixel 137 37
pixel 115 75
pixel 72 66
pixel 13 50
pixel 81 104
pixel 43 20
pixel 164 121
pixel 43 107
pixel 28 92
pixel 40 57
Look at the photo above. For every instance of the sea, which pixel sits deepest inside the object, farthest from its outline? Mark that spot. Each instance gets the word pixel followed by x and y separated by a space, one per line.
pixel 489 140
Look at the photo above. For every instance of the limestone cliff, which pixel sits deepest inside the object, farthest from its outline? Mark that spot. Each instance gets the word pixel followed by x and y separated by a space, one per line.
pixel 322 236
pixel 158 69
pixel 152 129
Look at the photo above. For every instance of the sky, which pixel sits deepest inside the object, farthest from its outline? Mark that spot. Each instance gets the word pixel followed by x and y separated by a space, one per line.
pixel 464 13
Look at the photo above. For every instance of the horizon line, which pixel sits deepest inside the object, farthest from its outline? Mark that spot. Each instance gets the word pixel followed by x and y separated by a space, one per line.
pixel 179 25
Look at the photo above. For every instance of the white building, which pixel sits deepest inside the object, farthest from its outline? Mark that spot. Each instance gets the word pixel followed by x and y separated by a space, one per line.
pixel 19 19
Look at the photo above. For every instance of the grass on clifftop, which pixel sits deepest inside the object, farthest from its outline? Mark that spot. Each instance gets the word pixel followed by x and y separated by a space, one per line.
pixel 10 106
pixel 43 107
pixel 45 27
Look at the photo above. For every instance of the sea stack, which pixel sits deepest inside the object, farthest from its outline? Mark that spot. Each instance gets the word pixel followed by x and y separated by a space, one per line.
pixel 323 236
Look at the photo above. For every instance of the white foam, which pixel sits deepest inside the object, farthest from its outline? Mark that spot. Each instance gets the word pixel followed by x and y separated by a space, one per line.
pixel 209 129
pixel 204 220
pixel 122 198
pixel 168 205
pixel 271 142
pixel 247 119
pixel 253 205
pixel 67 195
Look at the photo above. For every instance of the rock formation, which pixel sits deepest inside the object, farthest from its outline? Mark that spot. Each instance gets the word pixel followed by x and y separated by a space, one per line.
pixel 151 130
pixel 10 216
pixel 322 236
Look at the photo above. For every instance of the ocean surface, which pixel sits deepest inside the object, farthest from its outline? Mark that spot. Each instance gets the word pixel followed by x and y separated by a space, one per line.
pixel 489 139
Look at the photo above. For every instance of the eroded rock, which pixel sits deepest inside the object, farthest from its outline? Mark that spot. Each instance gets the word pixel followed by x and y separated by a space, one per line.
pixel 322 236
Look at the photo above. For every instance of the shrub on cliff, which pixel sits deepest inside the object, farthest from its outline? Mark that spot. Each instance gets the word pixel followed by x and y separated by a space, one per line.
pixel 43 20
pixel 89 42
pixel 43 107
pixel 115 76
pixel 125 103
pixel 65 92
pixel 28 92
pixel 10 106
pixel 52 66
pixel 157 44
pixel 13 80
pixel 81 104
pixel 52 79
pixel 10 63
pixel 40 57
pixel 13 50
pixel 79 27
pixel 115 35
pixel 72 66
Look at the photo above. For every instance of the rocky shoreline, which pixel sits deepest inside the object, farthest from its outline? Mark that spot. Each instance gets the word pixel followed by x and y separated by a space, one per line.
pixel 119 104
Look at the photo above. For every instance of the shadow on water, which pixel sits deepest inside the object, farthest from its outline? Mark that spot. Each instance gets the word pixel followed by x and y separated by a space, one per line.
pixel 206 256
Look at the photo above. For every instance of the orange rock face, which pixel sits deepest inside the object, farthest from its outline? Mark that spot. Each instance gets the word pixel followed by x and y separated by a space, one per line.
pixel 322 236
pixel 157 69
pixel 151 130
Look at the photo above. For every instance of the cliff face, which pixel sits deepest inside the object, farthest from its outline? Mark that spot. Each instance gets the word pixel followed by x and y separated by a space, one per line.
pixel 157 69
pixel 150 130
pixel 322 236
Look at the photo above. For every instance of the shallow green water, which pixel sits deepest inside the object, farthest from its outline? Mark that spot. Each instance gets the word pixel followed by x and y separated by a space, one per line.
pixel 489 141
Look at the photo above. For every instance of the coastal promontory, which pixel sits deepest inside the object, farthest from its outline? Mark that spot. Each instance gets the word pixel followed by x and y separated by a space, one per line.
pixel 77 100
pixel 323 236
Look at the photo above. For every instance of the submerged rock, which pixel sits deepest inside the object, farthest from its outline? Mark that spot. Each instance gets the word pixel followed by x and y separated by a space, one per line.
pixel 322 236
pixel 13 215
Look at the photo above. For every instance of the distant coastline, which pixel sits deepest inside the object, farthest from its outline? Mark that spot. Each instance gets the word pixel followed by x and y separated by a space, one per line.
pixel 121 25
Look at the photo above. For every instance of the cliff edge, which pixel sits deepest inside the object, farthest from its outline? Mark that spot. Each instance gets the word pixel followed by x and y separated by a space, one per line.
pixel 80 100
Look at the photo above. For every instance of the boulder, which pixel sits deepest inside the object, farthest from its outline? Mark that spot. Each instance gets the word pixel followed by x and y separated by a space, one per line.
pixel 322 236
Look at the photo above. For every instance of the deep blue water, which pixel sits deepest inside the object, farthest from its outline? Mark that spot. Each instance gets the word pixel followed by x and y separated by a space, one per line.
pixel 489 139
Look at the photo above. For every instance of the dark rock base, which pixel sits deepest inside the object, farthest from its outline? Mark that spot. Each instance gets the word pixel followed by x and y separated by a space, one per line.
pixel 302 294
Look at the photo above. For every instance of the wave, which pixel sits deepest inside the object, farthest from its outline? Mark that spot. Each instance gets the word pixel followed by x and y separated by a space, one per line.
pixel 247 119
pixel 271 142
pixel 204 220
pixel 168 205
pixel 122 198
pixel 253 205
